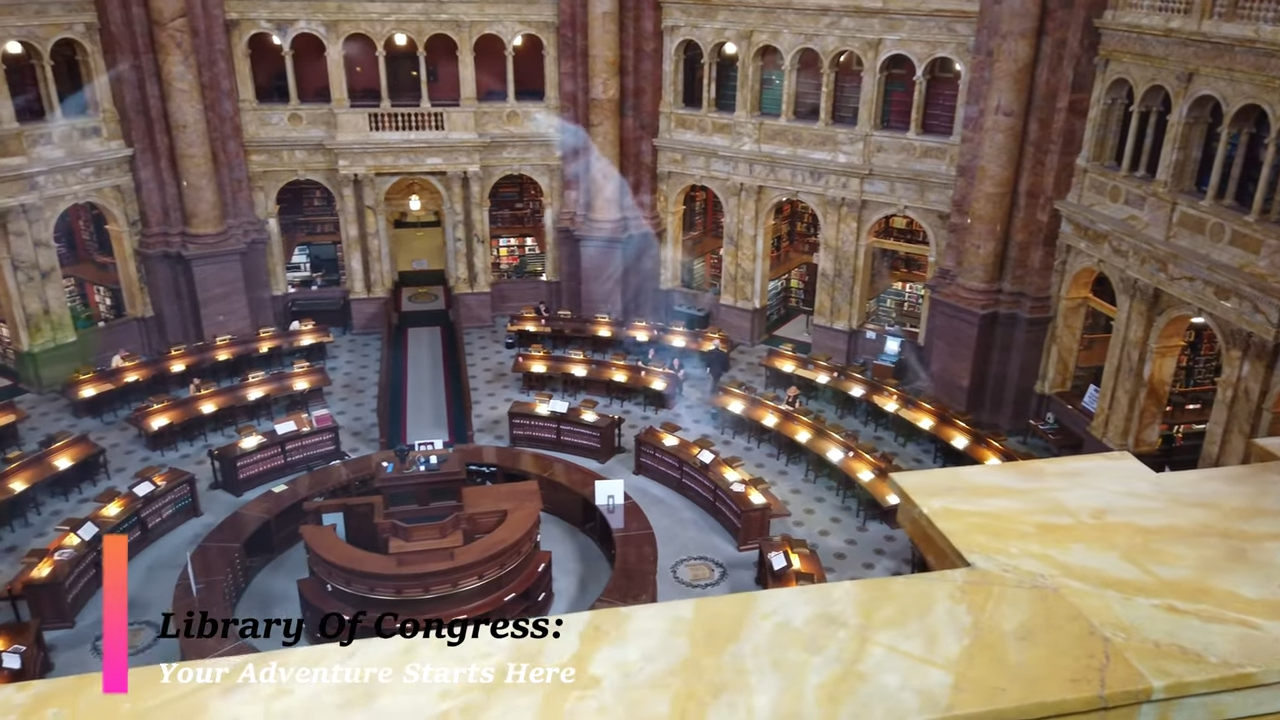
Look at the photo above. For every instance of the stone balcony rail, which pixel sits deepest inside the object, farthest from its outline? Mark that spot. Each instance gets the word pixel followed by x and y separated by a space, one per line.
pixel 1246 18
pixel 55 138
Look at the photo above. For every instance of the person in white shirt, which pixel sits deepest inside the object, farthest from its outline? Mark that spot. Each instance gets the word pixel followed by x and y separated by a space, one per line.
pixel 118 359
pixel 295 325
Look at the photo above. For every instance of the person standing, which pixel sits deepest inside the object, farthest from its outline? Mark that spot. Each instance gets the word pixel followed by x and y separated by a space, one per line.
pixel 717 364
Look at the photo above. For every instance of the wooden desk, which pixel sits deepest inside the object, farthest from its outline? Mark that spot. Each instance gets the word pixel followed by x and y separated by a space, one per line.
pixel 858 466
pixel 10 416
pixel 597 375
pixel 58 580
pixel 36 662
pixel 742 505
pixel 243 465
pixel 150 420
pixel 803 565
pixel 576 432
pixel 257 532
pixel 92 386
pixel 531 325
pixel 929 418
pixel 74 458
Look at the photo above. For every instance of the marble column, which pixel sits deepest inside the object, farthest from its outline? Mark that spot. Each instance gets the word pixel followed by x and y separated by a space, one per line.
pixel 352 245
pixel 7 118
pixel 382 79
pixel 478 233
pixel 788 91
pixel 550 212
pixel 828 283
pixel 828 95
pixel 13 310
pixel 603 66
pixel 337 77
pixel 511 75
pixel 958 123
pixel 422 78
pixel 1264 184
pixel 291 78
pixel 917 104
pixel 381 273
pixel 48 322
pixel 1237 168
pixel 749 274
pixel 1219 161
pixel 744 104
pixel 1130 336
pixel 50 91
pixel 1243 404
pixel 458 239
pixel 175 50
pixel 708 79
pixel 733 241
pixel 1131 140
pixel 551 71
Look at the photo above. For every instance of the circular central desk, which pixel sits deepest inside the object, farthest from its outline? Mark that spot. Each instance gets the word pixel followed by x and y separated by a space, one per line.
pixel 229 557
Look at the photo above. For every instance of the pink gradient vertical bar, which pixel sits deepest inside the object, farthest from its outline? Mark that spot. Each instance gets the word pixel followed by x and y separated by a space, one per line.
pixel 115 614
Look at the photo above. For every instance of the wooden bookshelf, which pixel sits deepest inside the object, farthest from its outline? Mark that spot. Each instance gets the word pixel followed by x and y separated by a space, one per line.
pixel 801 287
pixel 246 464
pixel 516 229
pixel 308 213
pixel 1199 361
pixel 794 231
pixel 703 239
pixel 899 305
pixel 900 229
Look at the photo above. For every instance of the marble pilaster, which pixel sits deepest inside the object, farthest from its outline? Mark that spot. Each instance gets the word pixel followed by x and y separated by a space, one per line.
pixel 734 239
pixel 1129 339
pixel 551 239
pixel 751 239
pixel 467 69
pixel 352 243
pixel 35 265
pixel 381 275
pixel 7 117
pixel 1240 422
pixel 917 103
pixel 422 79
pixel 478 232
pixel 382 78
pixel 457 238
pixel 603 66
pixel 291 78
pixel 829 285
pixel 337 78
pixel 202 201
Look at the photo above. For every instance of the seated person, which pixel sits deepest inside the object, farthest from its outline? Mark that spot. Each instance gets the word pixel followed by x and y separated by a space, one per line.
pixel 543 309
pixel 677 367
pixel 793 397
pixel 195 386
pixel 118 359
pixel 653 360
pixel 295 325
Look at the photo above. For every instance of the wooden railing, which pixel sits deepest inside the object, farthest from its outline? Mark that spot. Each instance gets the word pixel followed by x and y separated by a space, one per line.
pixel 407 121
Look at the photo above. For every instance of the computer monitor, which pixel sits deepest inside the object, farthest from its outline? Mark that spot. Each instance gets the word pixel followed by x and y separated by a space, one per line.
pixel 892 346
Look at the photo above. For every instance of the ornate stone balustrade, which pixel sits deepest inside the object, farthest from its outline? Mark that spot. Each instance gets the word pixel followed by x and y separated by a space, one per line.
pixel 1254 17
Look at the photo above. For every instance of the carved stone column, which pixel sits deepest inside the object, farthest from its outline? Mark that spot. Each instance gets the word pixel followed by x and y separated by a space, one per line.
pixel 478 232
pixel 1131 140
pixel 958 125
pixel 352 243
pixel 1219 161
pixel 422 78
pixel 828 95
pixel 381 274
pixel 337 77
pixel 788 91
pixel 1129 337
pixel 917 104
pixel 1237 168
pixel 457 238
pixel 743 104
pixel 551 70
pixel 1268 165
pixel 750 275
pixel 291 78
pixel 829 284
pixel 50 91
pixel 467 69
pixel 511 76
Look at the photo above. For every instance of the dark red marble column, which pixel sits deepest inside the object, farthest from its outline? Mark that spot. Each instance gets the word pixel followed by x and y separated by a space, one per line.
pixel 202 283
pixel 572 35
pixel 1032 71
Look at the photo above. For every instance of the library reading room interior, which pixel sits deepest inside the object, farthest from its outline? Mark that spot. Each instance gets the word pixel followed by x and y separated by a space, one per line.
pixel 923 354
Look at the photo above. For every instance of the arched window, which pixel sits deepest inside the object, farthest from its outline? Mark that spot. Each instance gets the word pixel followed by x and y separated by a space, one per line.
pixel 898 270
pixel 26 85
pixel 70 76
pixel 772 81
pixel 899 93
pixel 404 86
pixel 528 68
pixel 807 100
pixel 1155 107
pixel 491 68
pixel 517 229
pixel 360 63
pixel 1250 128
pixel 847 88
pixel 690 77
pixel 941 93
pixel 702 239
pixel 310 69
pixel 725 83
pixel 1201 132
pixel 312 236
pixel 1095 336
pixel 793 273
pixel 1113 123
pixel 443 86
pixel 90 277
pixel 1191 391
pixel 266 60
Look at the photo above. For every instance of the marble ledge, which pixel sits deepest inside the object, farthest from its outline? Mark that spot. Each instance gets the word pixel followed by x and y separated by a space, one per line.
pixel 1096 588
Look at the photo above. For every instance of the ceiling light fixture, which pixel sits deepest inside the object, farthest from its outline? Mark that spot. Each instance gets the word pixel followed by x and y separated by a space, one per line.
pixel 730 49
pixel 518 41
pixel 275 40
pixel 400 39
pixel 1197 320
pixel 13 47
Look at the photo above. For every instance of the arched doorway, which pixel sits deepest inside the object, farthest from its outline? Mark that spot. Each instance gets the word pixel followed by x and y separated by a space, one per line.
pixel 1185 364
pixel 1095 341
pixel 793 269
pixel 899 266
pixel 517 229
pixel 415 213
pixel 25 78
pixel 311 234
pixel 90 275
pixel 702 240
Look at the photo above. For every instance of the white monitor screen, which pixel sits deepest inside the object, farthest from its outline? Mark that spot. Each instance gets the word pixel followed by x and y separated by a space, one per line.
pixel 892 345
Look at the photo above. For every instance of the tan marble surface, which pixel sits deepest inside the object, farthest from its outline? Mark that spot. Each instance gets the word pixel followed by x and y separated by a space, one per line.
pixel 1097 589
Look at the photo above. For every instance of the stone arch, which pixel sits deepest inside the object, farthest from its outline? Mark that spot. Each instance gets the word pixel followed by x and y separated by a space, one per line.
pixel 412 234
pixel 688 74
pixel 118 277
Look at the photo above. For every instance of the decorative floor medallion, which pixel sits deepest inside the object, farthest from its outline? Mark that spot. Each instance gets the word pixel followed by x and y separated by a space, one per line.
pixel 423 297
pixel 699 572
pixel 143 635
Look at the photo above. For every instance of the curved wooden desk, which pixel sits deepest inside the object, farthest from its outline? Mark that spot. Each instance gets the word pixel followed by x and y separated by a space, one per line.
pixel 932 419
pixel 742 505
pixel 868 471
pixel 251 537
pixel 530 324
